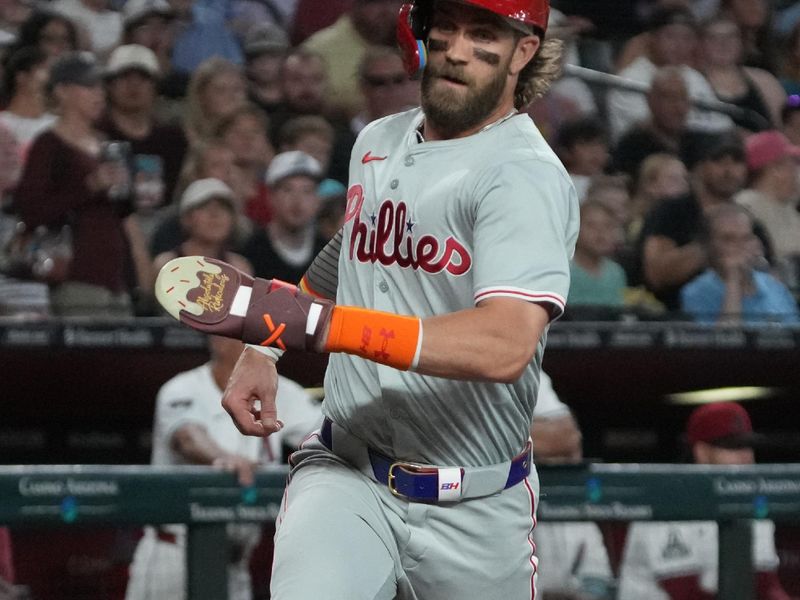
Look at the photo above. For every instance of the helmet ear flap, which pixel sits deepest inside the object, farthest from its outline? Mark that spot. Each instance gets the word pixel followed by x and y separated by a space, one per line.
pixel 412 35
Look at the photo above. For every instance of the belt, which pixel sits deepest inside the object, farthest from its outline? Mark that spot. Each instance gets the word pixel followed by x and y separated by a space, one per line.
pixel 427 483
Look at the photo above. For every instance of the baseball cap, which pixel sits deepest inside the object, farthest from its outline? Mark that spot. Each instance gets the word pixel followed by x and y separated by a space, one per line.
pixel 288 164
pixel 132 57
pixel 201 191
pixel 331 188
pixel 723 424
pixel 767 147
pixel 137 10
pixel 698 147
pixel 265 38
pixel 79 68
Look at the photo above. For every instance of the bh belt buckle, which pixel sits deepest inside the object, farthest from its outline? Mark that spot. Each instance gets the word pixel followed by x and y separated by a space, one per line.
pixel 413 469
pixel 445 487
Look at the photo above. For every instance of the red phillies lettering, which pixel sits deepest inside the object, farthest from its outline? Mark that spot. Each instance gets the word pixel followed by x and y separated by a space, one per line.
pixel 388 239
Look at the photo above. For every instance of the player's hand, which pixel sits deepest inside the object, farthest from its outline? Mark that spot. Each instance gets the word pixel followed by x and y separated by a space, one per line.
pixel 243 467
pixel 249 396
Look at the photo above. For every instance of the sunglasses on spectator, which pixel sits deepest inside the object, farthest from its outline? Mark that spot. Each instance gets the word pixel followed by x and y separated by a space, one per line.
pixel 385 80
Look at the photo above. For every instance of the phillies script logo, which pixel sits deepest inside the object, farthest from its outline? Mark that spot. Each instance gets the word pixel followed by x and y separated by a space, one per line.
pixel 389 239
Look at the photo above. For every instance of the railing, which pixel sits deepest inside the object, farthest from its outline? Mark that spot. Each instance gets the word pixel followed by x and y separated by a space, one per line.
pixel 74 495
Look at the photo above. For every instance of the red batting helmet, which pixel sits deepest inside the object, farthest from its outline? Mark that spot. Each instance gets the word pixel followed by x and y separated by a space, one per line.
pixel 414 17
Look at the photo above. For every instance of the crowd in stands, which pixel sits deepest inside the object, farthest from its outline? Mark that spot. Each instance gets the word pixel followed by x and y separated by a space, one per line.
pixel 136 131
pixel 113 109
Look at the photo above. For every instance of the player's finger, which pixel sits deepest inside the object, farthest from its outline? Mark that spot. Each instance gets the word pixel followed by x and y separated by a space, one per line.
pixel 269 416
pixel 239 410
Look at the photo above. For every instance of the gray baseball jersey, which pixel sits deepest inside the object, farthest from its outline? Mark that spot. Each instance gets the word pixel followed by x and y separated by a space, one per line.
pixel 433 228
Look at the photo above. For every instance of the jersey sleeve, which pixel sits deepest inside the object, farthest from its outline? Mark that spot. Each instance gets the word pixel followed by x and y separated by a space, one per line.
pixel 526 224
pixel 176 405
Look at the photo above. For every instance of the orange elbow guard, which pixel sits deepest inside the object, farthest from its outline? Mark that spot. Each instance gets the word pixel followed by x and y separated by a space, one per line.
pixel 381 337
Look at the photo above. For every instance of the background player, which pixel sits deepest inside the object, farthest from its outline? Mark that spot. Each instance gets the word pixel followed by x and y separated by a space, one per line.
pixel 679 561
pixel 191 428
pixel 460 215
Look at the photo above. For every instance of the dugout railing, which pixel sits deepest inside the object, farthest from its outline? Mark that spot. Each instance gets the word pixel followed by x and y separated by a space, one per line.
pixel 205 499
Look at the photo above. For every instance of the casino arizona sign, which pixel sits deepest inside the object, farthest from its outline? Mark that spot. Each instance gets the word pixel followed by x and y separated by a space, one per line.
pixel 389 240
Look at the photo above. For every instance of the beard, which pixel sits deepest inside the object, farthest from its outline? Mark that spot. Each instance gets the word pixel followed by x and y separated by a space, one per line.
pixel 453 111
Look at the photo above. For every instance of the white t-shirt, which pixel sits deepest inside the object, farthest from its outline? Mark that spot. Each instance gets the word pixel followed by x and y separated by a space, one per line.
pixel 24 129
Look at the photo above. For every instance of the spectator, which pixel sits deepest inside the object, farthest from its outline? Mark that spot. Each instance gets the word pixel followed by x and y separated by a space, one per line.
pixel 151 23
pixel 217 89
pixel 582 145
pixel 52 33
pixel 754 18
pixel 132 76
pixel 305 92
pixel 203 34
pixel 285 248
pixel 245 132
pixel 670 247
pixel 346 42
pixel 672 42
pixel 790 68
pixel 13 13
pixel 613 192
pixel 333 196
pixel 752 89
pixel 790 117
pixel 666 129
pixel 573 561
pixel 208 212
pixel 191 427
pixel 209 159
pixel 735 289
pixel 595 279
pixel 678 561
pixel 265 49
pixel 385 85
pixel 102 25
pixel 774 190
pixel 311 134
pixel 310 16
pixel 661 176
pixel 24 80
pixel 66 180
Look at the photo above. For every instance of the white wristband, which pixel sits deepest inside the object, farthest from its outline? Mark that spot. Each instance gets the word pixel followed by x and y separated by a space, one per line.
pixel 272 353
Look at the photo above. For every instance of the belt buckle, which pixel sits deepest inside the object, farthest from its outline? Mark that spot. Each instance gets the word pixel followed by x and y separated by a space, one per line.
pixel 411 467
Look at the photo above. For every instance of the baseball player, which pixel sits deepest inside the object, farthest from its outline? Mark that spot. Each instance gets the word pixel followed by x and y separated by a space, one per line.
pixel 573 560
pixel 679 561
pixel 191 428
pixel 452 262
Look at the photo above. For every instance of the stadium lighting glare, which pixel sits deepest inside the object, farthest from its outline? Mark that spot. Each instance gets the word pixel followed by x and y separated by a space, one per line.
pixel 725 394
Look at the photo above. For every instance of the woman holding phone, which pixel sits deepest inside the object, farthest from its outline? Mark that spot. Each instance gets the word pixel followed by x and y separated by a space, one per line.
pixel 71 180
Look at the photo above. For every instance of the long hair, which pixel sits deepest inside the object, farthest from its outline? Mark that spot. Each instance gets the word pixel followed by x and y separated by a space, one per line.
pixel 199 125
pixel 539 74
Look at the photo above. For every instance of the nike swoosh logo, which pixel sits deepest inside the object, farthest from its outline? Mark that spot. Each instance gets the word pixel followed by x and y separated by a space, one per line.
pixel 369 158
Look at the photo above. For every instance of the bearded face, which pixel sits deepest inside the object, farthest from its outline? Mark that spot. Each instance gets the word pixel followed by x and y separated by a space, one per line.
pixel 454 101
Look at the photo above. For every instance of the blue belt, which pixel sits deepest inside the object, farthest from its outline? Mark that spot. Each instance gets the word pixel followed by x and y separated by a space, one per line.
pixel 420 483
